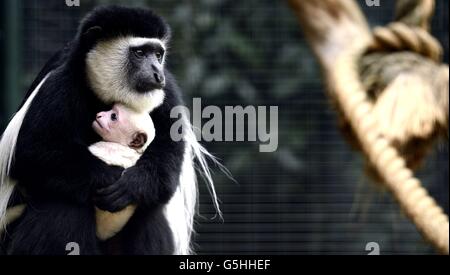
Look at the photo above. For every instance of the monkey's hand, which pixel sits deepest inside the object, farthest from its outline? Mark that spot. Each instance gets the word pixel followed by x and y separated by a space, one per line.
pixel 120 194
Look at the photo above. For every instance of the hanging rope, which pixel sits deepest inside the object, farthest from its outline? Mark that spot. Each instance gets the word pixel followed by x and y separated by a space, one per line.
pixel 411 34
pixel 340 39
pixel 408 85
pixel 415 201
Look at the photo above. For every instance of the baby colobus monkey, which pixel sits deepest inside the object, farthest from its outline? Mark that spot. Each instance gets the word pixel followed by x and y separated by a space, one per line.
pixel 126 135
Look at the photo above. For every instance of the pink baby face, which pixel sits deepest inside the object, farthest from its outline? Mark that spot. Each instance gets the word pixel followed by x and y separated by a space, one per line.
pixel 121 125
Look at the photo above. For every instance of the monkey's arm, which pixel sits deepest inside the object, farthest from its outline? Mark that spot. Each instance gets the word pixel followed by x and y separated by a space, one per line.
pixel 108 224
pixel 152 181
pixel 155 177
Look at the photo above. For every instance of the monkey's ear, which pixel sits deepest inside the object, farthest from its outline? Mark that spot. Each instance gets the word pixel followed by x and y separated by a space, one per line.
pixel 139 140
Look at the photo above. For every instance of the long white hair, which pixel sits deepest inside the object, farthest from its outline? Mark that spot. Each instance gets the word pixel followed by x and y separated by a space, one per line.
pixel 183 206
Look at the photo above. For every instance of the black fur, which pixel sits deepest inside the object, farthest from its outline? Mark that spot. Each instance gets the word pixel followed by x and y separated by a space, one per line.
pixel 62 179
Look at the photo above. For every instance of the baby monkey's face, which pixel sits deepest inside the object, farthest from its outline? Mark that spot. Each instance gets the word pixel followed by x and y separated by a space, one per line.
pixel 124 126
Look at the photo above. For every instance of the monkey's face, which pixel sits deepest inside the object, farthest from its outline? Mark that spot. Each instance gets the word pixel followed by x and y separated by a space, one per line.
pixel 145 65
pixel 128 70
pixel 114 126
pixel 124 126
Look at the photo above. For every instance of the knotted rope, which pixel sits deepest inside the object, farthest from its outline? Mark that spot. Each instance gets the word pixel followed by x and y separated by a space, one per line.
pixel 340 40
pixel 409 35
pixel 398 36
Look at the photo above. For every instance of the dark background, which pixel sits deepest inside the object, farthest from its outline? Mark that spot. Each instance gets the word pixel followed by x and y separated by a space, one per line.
pixel 309 197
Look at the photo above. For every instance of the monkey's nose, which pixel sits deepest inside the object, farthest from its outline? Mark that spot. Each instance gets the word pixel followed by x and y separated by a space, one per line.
pixel 159 79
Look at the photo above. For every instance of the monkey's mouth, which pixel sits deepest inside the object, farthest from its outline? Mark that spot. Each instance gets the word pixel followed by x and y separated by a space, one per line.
pixel 98 123
pixel 148 85
pixel 98 127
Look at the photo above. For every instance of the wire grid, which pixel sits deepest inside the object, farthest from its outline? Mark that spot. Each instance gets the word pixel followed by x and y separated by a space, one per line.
pixel 309 197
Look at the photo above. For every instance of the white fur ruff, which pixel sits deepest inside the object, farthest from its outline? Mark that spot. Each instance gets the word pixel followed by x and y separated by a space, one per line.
pixel 106 71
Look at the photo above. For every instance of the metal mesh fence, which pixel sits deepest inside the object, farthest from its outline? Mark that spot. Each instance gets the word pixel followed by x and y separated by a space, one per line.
pixel 309 197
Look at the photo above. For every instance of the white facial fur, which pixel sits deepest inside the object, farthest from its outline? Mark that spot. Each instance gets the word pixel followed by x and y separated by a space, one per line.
pixel 106 72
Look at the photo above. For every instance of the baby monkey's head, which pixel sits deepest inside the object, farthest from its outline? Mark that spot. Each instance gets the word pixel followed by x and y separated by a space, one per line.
pixel 125 126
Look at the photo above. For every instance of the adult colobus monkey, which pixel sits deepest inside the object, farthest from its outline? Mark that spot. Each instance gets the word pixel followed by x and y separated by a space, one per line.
pixel 117 56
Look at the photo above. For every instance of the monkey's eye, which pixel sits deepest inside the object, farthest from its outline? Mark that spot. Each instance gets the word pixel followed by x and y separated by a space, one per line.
pixel 114 117
pixel 160 56
pixel 139 53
